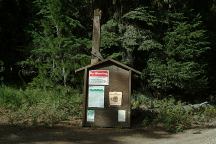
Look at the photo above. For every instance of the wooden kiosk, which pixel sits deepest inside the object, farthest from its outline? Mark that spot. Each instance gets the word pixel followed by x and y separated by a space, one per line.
pixel 107 94
pixel 107 86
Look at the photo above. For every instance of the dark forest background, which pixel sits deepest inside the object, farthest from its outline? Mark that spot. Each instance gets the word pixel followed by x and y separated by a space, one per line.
pixel 171 41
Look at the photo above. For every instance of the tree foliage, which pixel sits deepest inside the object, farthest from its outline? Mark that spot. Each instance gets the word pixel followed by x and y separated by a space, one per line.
pixel 168 49
pixel 57 50
pixel 180 65
pixel 171 42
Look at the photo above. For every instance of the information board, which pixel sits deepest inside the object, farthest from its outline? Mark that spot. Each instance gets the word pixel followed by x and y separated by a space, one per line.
pixel 99 77
pixel 96 96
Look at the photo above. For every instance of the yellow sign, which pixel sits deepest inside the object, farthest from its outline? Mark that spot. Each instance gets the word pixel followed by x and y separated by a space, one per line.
pixel 115 98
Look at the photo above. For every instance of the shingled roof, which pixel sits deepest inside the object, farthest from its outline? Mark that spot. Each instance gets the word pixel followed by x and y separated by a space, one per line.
pixel 106 61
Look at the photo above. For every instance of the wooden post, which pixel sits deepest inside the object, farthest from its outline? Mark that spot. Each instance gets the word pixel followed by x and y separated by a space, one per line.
pixel 96 35
pixel 85 97
pixel 129 98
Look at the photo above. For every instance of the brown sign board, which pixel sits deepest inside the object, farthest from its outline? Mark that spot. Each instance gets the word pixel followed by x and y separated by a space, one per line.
pixel 107 91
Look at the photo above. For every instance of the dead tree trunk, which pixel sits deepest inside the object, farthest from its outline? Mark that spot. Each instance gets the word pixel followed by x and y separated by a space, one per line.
pixel 96 36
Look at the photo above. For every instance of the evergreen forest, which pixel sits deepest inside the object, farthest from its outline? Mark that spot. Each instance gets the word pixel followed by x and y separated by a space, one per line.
pixel 43 42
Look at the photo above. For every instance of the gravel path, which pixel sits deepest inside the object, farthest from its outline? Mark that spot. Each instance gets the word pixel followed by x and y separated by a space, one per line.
pixel 23 135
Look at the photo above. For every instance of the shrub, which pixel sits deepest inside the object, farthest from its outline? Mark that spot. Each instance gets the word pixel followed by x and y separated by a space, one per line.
pixel 205 115
pixel 174 116
pixel 10 98
pixel 210 113
pixel 39 106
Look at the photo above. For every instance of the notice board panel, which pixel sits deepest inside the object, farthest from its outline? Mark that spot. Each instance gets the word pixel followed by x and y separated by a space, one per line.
pixel 108 91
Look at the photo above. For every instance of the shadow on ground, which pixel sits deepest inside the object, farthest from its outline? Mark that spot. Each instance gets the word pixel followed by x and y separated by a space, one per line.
pixel 22 134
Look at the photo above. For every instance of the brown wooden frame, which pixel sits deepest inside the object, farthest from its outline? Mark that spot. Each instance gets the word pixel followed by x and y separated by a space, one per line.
pixel 108 63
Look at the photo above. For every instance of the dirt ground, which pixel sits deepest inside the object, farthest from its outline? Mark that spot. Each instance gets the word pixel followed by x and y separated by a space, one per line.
pixel 74 135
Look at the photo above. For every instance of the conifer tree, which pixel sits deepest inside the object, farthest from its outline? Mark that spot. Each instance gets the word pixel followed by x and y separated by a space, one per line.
pixel 168 47
pixel 58 47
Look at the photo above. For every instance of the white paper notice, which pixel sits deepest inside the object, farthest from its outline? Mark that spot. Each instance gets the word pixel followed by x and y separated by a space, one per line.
pixel 96 96
pixel 90 115
pixel 99 77
pixel 121 115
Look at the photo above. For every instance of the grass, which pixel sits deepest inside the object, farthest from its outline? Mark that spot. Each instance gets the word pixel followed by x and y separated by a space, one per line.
pixel 171 114
pixel 40 106
pixel 36 106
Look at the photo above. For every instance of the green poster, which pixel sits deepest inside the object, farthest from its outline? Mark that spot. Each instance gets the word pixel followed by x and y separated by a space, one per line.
pixel 96 96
